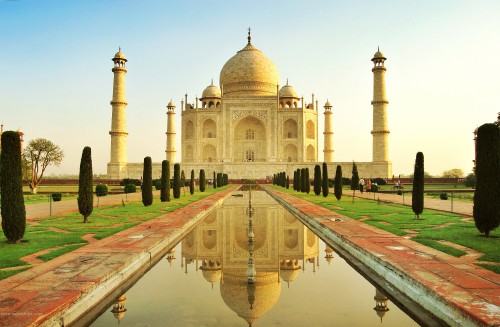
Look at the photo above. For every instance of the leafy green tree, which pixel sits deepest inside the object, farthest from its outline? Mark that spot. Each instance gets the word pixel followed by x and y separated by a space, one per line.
pixel 354 180
pixel 324 181
pixel 85 187
pixel 486 210
pixel 191 183
pixel 417 196
pixel 317 180
pixel 12 200
pixel 165 181
pixel 177 181
pixel 337 185
pixel 147 182
pixel 470 180
pixel 453 173
pixel 202 180
pixel 38 155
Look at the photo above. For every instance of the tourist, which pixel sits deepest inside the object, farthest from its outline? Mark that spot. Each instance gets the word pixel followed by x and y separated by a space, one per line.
pixel 368 185
pixel 361 185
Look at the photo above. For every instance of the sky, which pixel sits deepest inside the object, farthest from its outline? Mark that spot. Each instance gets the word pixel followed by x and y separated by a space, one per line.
pixel 442 70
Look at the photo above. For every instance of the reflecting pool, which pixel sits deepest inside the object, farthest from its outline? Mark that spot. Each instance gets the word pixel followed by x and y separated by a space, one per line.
pixel 252 263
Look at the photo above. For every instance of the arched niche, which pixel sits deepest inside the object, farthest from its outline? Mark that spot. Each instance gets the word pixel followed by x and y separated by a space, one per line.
pixel 249 140
pixel 209 129
pixel 290 129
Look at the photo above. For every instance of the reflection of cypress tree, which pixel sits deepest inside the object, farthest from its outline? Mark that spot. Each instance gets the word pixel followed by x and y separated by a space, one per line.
pixel 164 181
pixel 337 186
pixel 177 181
pixel 324 184
pixel 191 183
pixel 85 187
pixel 13 209
pixel 147 182
pixel 317 180
pixel 202 180
pixel 417 196
pixel 486 210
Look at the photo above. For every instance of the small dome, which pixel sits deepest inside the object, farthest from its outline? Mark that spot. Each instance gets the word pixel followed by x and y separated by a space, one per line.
pixel 171 104
pixel 328 104
pixel 212 91
pixel 288 91
pixel 212 276
pixel 120 55
pixel 379 55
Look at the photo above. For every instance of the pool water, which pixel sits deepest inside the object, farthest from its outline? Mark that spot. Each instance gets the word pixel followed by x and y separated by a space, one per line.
pixel 252 265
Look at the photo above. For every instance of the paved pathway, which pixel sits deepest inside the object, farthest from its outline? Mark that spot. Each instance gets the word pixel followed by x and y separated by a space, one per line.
pixel 56 292
pixel 452 288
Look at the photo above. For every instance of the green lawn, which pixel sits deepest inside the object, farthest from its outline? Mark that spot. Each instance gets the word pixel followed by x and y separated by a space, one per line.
pixel 433 226
pixel 104 221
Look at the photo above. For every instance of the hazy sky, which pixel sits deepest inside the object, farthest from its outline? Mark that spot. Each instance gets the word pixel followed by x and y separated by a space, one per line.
pixel 442 69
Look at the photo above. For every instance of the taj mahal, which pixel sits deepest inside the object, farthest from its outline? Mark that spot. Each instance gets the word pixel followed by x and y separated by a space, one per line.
pixel 249 126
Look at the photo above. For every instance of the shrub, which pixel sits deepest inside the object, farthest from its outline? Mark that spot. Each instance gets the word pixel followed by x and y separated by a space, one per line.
pixel 147 184
pixel 470 180
pixel 379 181
pixel 443 196
pixel 399 192
pixel 375 188
pixel 101 190
pixel 346 181
pixel 134 181
pixel 56 197
pixel 157 184
pixel 486 210
pixel 85 187
pixel 12 201
pixel 130 188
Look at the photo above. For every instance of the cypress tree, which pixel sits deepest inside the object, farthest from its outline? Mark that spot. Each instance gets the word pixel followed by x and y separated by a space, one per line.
pixel 302 180
pixel 191 183
pixel 168 181
pixel 299 180
pixel 12 200
pixel 486 210
pixel 337 186
pixel 274 179
pixel 324 184
pixel 219 179
pixel 85 187
pixel 164 181
pixel 317 180
pixel 177 181
pixel 215 180
pixel 183 182
pixel 287 185
pixel 355 179
pixel 417 196
pixel 147 182
pixel 308 181
pixel 202 180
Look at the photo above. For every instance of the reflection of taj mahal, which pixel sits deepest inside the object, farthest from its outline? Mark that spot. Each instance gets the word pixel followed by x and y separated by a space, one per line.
pixel 249 126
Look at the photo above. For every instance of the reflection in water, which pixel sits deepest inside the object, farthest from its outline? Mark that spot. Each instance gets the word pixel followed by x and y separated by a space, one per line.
pixel 248 249
pixel 265 264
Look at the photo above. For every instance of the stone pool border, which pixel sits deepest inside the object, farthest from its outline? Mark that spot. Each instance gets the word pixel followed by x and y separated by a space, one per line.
pixel 58 292
pixel 458 293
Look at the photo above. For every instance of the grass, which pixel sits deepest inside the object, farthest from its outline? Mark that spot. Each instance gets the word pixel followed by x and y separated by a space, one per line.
pixel 63 233
pixel 433 226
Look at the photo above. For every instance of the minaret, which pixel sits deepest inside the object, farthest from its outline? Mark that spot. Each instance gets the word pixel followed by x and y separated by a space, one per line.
pixel 380 130
pixel 328 133
pixel 118 160
pixel 170 132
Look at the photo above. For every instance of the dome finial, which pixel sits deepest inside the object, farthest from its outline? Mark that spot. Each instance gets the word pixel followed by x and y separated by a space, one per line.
pixel 119 48
pixel 287 81
pixel 378 47
pixel 249 37
pixel 212 81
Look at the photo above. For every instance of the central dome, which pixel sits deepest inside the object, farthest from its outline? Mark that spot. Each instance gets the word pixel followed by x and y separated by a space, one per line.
pixel 249 72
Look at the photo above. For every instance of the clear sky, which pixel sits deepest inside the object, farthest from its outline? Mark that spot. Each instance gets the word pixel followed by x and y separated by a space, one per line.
pixel 442 69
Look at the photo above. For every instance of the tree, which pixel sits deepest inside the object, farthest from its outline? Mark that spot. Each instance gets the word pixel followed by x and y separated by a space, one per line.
pixel 324 184
pixel 417 195
pixel 287 185
pixel 354 180
pixel 183 182
pixel 85 187
pixel 38 155
pixel 12 201
pixel 191 183
pixel 202 180
pixel 486 210
pixel 470 180
pixel 299 180
pixel 317 180
pixel 337 184
pixel 302 180
pixel 453 173
pixel 177 181
pixel 165 181
pixel 147 182
pixel 308 181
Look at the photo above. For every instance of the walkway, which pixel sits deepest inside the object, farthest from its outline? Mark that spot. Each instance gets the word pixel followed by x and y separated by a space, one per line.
pixel 57 292
pixel 455 290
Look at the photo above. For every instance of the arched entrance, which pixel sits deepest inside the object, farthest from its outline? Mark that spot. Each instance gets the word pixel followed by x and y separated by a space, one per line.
pixel 249 141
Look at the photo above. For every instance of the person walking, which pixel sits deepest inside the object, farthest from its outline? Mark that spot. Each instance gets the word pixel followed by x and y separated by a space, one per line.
pixel 368 185
pixel 361 185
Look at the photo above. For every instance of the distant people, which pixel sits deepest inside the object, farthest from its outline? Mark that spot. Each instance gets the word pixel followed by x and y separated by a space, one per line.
pixel 361 185
pixel 368 185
